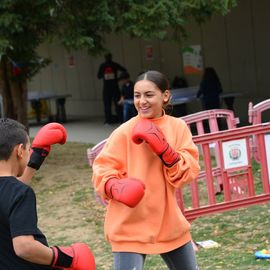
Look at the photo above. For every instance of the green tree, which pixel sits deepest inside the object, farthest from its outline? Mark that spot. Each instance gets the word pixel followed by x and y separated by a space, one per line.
pixel 26 24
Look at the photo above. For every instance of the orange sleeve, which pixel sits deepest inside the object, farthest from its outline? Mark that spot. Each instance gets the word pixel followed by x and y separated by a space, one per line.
pixel 187 169
pixel 110 163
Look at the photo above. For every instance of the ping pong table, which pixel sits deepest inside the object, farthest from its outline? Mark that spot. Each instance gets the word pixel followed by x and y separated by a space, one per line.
pixel 182 96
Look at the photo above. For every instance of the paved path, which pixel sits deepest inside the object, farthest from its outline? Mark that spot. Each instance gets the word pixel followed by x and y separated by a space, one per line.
pixel 87 130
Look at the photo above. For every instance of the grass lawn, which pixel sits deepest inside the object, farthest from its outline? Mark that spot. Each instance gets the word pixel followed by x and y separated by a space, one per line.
pixel 69 212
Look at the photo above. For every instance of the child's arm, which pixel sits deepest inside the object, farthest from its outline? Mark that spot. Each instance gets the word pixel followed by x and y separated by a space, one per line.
pixel 27 248
pixel 120 101
pixel 78 256
pixel 48 135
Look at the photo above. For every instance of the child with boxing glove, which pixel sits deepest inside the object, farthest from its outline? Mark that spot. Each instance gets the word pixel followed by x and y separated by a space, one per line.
pixel 23 246
pixel 138 171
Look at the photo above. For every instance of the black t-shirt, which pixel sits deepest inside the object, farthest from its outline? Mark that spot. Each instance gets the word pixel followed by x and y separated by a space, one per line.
pixel 108 72
pixel 18 216
pixel 128 90
pixel 210 90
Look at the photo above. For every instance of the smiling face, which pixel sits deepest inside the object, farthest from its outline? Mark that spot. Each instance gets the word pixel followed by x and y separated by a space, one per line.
pixel 149 99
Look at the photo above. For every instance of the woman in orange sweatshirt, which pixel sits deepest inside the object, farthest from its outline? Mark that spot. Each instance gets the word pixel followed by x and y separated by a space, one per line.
pixel 138 171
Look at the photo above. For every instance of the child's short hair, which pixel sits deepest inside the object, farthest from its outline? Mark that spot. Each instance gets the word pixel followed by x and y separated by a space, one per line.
pixel 12 133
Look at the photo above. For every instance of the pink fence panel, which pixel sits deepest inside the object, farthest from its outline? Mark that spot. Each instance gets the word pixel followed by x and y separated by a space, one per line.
pixel 211 117
pixel 255 117
pixel 255 112
pixel 93 152
pixel 239 186
pixel 212 120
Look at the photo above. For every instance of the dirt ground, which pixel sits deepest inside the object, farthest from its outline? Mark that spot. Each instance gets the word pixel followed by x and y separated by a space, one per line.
pixel 67 208
pixel 69 212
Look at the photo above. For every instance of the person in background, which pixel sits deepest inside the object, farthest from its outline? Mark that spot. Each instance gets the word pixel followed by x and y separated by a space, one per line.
pixel 23 246
pixel 108 71
pixel 127 93
pixel 138 171
pixel 210 89
pixel 179 82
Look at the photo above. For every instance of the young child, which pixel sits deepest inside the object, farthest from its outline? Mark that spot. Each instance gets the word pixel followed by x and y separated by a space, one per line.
pixel 23 246
pixel 139 169
pixel 127 93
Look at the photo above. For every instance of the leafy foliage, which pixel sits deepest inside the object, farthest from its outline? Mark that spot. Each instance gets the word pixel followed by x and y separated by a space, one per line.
pixel 148 19
pixel 26 24
pixel 82 24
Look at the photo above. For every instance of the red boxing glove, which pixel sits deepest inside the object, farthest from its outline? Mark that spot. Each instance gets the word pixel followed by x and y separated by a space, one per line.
pixel 147 131
pixel 49 134
pixel 128 191
pixel 78 256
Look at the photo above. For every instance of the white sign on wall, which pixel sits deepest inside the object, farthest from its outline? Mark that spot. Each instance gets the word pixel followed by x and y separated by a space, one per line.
pixel 267 147
pixel 235 154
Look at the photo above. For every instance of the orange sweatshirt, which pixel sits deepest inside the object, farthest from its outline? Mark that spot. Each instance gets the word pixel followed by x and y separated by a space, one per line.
pixel 156 225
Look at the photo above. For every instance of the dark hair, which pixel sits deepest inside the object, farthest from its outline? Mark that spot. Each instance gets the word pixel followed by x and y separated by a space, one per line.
pixel 160 81
pixel 108 56
pixel 155 77
pixel 12 133
pixel 210 74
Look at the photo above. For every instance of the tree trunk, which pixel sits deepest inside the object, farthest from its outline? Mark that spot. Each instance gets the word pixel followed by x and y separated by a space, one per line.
pixel 5 90
pixel 19 97
pixel 14 94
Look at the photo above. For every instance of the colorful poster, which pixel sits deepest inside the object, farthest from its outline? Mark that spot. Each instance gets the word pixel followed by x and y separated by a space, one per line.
pixel 192 59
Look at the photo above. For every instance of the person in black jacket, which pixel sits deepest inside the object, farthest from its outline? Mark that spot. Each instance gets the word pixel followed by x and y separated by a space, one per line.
pixel 210 89
pixel 108 71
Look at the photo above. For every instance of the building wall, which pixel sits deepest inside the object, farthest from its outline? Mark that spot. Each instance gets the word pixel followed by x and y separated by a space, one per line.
pixel 237 46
